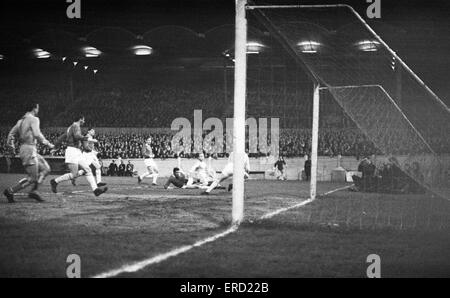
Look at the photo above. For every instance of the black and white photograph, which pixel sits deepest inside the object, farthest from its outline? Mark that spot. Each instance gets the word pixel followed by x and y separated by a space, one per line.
pixel 223 146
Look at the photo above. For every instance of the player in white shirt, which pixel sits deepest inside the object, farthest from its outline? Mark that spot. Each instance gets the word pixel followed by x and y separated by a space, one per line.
pixel 201 175
pixel 227 172
pixel 152 168
pixel 199 172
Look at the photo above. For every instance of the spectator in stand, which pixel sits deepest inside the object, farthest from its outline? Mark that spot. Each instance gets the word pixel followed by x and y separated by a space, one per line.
pixel 368 182
pixel 307 168
pixel 129 169
pixel 112 168
pixel 122 168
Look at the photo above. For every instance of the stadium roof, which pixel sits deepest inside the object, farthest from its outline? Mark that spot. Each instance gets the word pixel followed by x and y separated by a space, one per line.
pixel 186 30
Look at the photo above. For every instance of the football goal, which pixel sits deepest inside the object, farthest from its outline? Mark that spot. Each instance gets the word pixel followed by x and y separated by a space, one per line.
pixel 323 67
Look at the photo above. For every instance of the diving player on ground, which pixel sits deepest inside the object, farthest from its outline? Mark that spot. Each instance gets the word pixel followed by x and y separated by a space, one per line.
pixel 227 172
pixel 28 133
pixel 199 172
pixel 74 158
pixel 178 179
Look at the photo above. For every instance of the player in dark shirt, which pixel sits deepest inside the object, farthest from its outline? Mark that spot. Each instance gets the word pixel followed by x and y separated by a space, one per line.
pixel 74 158
pixel 178 179
pixel 280 168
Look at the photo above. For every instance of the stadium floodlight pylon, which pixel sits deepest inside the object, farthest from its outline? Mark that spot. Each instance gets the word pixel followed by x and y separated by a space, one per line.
pixel 383 96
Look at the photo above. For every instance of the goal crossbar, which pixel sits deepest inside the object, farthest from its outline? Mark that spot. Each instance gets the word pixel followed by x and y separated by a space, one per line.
pixel 375 35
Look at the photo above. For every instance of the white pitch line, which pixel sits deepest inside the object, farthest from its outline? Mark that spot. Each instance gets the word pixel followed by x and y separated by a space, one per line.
pixel 276 212
pixel 134 267
pixel 159 258
pixel 335 190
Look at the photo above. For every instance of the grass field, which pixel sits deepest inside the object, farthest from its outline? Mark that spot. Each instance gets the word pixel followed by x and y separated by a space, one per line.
pixel 329 237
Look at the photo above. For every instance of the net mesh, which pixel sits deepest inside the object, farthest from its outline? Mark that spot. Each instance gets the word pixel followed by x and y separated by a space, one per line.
pixel 406 122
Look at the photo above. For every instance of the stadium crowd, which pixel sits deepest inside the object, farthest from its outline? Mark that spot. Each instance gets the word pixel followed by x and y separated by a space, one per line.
pixel 138 105
pixel 293 143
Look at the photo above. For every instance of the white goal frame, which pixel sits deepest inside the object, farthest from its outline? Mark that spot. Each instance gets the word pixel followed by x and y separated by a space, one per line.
pixel 240 94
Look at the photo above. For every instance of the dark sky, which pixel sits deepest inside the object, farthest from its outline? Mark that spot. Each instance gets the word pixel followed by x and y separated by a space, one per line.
pixel 25 16
pixel 425 24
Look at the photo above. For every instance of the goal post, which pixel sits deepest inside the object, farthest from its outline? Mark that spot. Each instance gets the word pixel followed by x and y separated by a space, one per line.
pixel 314 142
pixel 240 81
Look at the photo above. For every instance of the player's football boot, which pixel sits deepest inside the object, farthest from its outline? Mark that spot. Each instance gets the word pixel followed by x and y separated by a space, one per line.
pixel 36 196
pixel 101 184
pixel 74 183
pixel 99 190
pixel 54 185
pixel 230 187
pixel 139 180
pixel 9 195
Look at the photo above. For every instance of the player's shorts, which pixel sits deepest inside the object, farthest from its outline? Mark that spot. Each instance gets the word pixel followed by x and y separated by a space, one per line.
pixel 228 170
pixel 91 158
pixel 202 176
pixel 149 162
pixel 73 155
pixel 29 156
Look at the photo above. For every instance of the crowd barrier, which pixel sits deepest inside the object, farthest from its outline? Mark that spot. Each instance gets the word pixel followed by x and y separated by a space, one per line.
pixel 295 166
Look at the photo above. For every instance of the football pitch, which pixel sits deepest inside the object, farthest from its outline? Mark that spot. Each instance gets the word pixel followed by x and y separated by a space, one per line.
pixel 146 231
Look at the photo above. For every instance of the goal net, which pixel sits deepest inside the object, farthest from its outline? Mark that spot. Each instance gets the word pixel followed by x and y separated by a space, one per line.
pixel 370 102
pixel 407 123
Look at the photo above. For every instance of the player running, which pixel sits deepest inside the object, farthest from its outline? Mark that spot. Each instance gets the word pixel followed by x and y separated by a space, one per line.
pixel 90 157
pixel 74 158
pixel 27 132
pixel 227 172
pixel 152 168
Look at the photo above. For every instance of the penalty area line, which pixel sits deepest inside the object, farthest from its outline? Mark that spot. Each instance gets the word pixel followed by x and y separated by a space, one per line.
pixel 134 267
pixel 276 212
pixel 159 258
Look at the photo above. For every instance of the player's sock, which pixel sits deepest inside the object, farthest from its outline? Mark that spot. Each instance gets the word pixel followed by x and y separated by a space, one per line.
pixel 190 181
pixel 65 177
pixel 41 178
pixel 144 175
pixel 155 178
pixel 21 185
pixel 91 180
pixel 212 186
pixel 98 176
